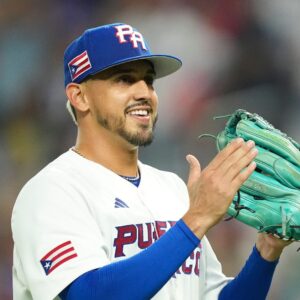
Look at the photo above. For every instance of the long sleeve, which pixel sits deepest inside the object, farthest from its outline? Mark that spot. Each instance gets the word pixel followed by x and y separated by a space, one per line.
pixel 253 282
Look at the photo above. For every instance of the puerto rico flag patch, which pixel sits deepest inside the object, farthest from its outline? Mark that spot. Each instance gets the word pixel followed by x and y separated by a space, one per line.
pixel 58 256
pixel 79 65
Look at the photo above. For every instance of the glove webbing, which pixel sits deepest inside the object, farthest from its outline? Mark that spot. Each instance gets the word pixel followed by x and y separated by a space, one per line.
pixel 238 207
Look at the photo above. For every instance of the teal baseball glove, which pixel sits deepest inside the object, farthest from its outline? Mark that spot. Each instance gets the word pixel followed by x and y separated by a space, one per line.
pixel 270 199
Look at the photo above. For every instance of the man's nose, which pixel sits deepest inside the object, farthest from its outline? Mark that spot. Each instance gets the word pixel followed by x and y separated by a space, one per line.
pixel 142 90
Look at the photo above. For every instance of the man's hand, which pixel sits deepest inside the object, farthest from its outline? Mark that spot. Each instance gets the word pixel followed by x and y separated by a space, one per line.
pixel 270 247
pixel 212 190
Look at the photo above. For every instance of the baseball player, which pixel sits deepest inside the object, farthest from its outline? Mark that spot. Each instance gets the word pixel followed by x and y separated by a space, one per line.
pixel 97 223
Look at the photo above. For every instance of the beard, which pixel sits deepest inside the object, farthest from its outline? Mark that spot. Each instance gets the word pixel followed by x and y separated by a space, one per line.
pixel 140 137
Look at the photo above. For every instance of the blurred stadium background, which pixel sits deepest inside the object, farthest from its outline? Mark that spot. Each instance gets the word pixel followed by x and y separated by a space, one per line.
pixel 236 54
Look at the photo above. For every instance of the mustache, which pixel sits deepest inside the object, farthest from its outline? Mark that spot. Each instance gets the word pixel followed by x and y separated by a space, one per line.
pixel 140 103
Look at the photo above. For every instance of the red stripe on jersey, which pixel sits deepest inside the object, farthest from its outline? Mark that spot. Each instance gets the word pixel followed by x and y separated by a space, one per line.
pixel 55 249
pixel 62 253
pixel 61 262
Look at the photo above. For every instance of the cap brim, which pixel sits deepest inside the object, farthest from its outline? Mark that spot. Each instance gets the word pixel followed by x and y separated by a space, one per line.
pixel 163 64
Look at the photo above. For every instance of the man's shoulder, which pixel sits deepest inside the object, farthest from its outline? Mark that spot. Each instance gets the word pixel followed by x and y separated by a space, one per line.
pixel 54 171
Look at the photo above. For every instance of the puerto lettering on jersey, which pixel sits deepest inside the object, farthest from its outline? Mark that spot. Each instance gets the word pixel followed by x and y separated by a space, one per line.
pixel 143 235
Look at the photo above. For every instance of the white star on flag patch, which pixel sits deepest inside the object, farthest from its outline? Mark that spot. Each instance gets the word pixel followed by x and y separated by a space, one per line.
pixel 57 256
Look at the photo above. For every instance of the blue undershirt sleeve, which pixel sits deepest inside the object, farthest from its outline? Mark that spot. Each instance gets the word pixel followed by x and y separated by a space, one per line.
pixel 253 282
pixel 140 276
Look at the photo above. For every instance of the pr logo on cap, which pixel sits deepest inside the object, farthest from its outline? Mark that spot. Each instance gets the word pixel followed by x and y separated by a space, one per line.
pixel 135 37
pixel 80 64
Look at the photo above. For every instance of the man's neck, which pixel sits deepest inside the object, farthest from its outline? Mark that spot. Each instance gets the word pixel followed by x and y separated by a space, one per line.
pixel 112 153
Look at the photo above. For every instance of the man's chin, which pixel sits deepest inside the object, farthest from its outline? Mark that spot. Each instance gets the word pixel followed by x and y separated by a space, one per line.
pixel 139 139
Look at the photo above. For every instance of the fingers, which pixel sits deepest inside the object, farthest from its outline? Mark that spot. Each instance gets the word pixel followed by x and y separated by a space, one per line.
pixel 239 159
pixel 239 165
pixel 212 190
pixel 243 176
pixel 226 152
pixel 233 158
pixel 195 169
pixel 232 166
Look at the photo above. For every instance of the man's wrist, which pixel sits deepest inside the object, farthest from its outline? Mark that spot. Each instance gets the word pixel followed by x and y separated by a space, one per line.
pixel 267 251
pixel 198 226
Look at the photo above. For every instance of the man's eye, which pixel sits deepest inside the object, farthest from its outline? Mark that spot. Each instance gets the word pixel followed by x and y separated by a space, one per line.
pixel 126 79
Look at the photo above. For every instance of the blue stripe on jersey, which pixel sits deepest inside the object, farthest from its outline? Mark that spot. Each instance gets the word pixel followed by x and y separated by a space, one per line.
pixel 120 203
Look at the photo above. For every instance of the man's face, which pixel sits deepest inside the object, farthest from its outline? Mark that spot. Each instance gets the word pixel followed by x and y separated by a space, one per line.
pixel 123 101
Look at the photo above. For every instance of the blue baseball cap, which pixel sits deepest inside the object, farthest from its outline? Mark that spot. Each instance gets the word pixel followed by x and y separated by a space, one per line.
pixel 103 47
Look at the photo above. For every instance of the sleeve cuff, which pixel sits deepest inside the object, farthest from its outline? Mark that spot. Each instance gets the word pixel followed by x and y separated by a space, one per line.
pixel 188 232
pixel 258 257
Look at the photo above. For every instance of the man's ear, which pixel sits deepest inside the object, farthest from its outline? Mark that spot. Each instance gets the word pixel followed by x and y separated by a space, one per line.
pixel 75 94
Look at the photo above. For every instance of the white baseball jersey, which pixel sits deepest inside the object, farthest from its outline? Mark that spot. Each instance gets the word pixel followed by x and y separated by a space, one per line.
pixel 76 215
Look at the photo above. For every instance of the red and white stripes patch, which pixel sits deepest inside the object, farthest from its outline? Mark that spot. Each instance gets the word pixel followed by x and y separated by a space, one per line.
pixel 58 256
